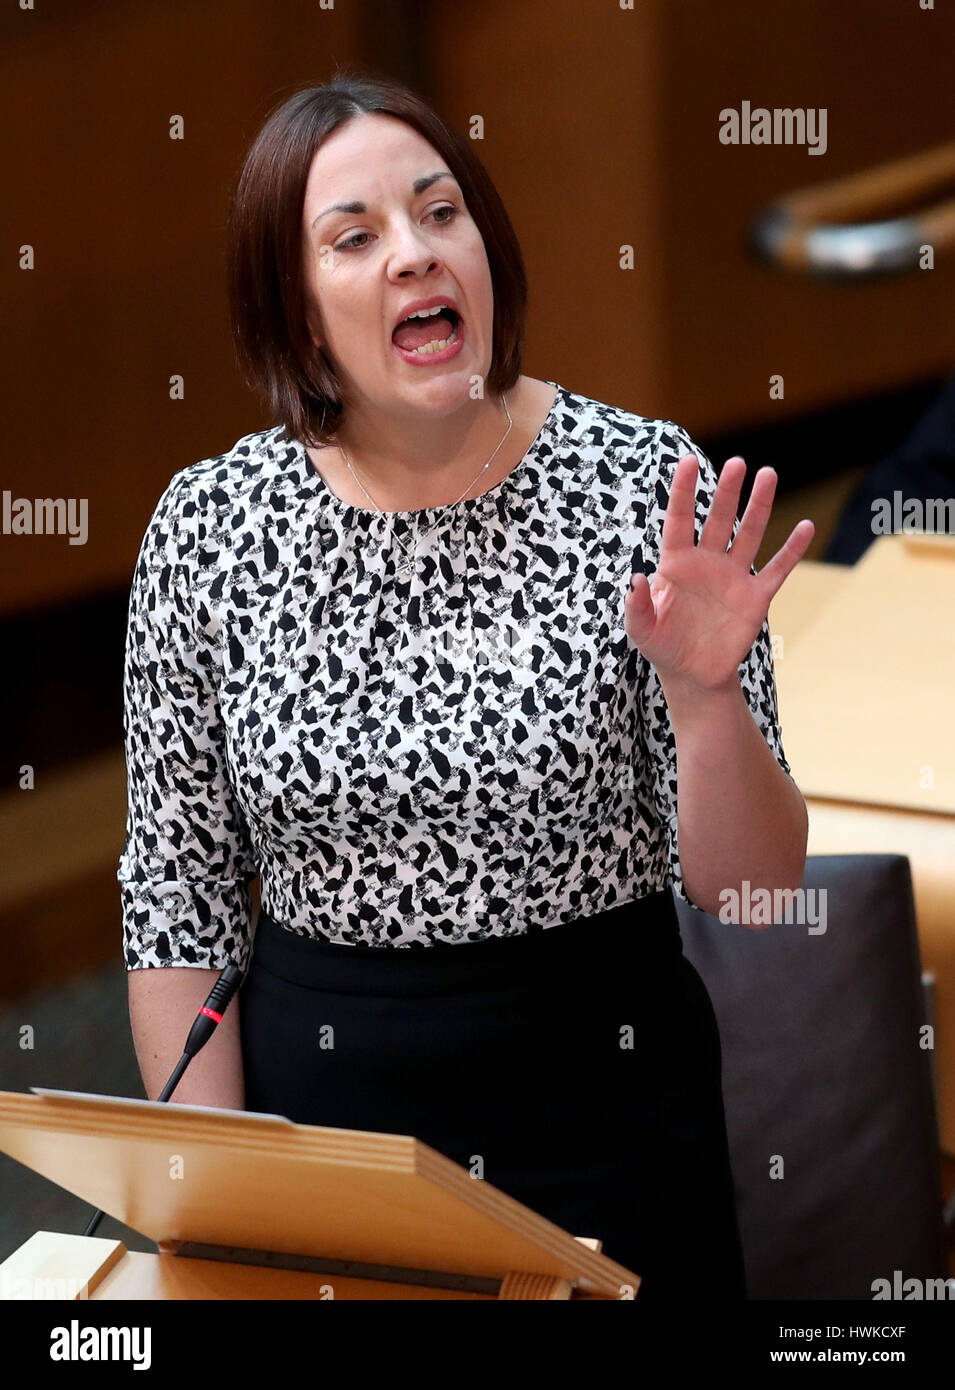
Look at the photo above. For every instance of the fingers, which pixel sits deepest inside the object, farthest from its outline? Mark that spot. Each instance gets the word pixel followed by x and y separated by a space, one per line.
pixel 639 612
pixel 679 519
pixel 718 528
pixel 679 522
pixel 787 557
pixel 752 528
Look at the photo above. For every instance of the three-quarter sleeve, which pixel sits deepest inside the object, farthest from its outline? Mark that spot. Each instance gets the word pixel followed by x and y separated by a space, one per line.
pixel 186 860
pixel 756 671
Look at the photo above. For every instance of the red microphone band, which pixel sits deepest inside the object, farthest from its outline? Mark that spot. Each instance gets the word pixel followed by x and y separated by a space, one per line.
pixel 211 1013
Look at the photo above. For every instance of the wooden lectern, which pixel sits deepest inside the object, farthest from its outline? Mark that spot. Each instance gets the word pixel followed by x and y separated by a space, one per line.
pixel 250 1206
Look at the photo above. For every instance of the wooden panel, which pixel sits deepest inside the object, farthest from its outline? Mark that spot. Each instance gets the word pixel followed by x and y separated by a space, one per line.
pixel 603 129
pixel 867 686
pixel 572 100
pixel 883 73
pixel 89 1267
pixel 128 231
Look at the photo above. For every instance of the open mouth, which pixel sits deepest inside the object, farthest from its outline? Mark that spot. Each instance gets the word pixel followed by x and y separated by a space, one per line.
pixel 427 337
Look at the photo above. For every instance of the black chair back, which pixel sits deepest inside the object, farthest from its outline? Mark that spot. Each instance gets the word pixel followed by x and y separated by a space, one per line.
pixel 827 1084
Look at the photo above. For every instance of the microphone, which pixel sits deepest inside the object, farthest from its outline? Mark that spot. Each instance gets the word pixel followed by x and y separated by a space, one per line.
pixel 207 1020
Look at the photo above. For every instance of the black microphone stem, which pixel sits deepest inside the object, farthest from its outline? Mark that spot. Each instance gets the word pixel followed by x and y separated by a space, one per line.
pixel 207 1021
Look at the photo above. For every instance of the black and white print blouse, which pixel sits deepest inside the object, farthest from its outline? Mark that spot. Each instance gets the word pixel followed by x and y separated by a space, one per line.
pixel 436 755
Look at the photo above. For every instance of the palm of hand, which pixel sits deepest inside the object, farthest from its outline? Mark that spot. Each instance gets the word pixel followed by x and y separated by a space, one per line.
pixel 698 616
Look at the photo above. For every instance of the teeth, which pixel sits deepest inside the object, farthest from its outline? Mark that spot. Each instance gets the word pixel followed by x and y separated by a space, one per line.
pixel 426 313
pixel 436 345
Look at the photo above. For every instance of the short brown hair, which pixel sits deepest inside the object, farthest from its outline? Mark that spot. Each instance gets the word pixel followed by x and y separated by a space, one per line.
pixel 264 250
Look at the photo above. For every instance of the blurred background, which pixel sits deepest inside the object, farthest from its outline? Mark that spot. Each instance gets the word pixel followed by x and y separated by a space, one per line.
pixel 830 360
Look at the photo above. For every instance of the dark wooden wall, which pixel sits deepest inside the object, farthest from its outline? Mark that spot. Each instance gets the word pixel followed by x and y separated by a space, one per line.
pixel 600 130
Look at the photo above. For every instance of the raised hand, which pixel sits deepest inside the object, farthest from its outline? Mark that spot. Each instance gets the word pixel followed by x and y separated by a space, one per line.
pixel 701 612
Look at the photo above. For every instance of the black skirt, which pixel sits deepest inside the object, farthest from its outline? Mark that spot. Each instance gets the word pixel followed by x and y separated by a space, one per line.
pixel 576 1068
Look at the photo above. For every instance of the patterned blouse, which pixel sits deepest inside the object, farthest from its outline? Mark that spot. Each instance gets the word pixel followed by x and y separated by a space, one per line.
pixel 465 747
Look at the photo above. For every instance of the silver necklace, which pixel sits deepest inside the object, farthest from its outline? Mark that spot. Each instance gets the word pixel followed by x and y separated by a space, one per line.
pixel 413 554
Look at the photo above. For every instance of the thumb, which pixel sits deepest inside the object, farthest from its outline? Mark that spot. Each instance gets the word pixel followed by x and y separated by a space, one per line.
pixel 640 616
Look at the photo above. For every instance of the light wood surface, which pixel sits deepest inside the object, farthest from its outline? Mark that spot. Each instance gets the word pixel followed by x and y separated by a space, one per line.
pixel 236 1179
pixel 58 1265
pixel 55 1264
pixel 868 679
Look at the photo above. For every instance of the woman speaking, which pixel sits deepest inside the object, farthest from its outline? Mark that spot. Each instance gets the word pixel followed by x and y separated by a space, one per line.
pixel 399 656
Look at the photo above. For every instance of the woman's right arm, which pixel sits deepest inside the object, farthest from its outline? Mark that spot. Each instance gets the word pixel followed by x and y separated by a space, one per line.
pixel 163 1003
pixel 187 861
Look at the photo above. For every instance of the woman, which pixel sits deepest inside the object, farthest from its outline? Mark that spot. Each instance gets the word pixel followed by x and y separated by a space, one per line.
pixel 387 655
